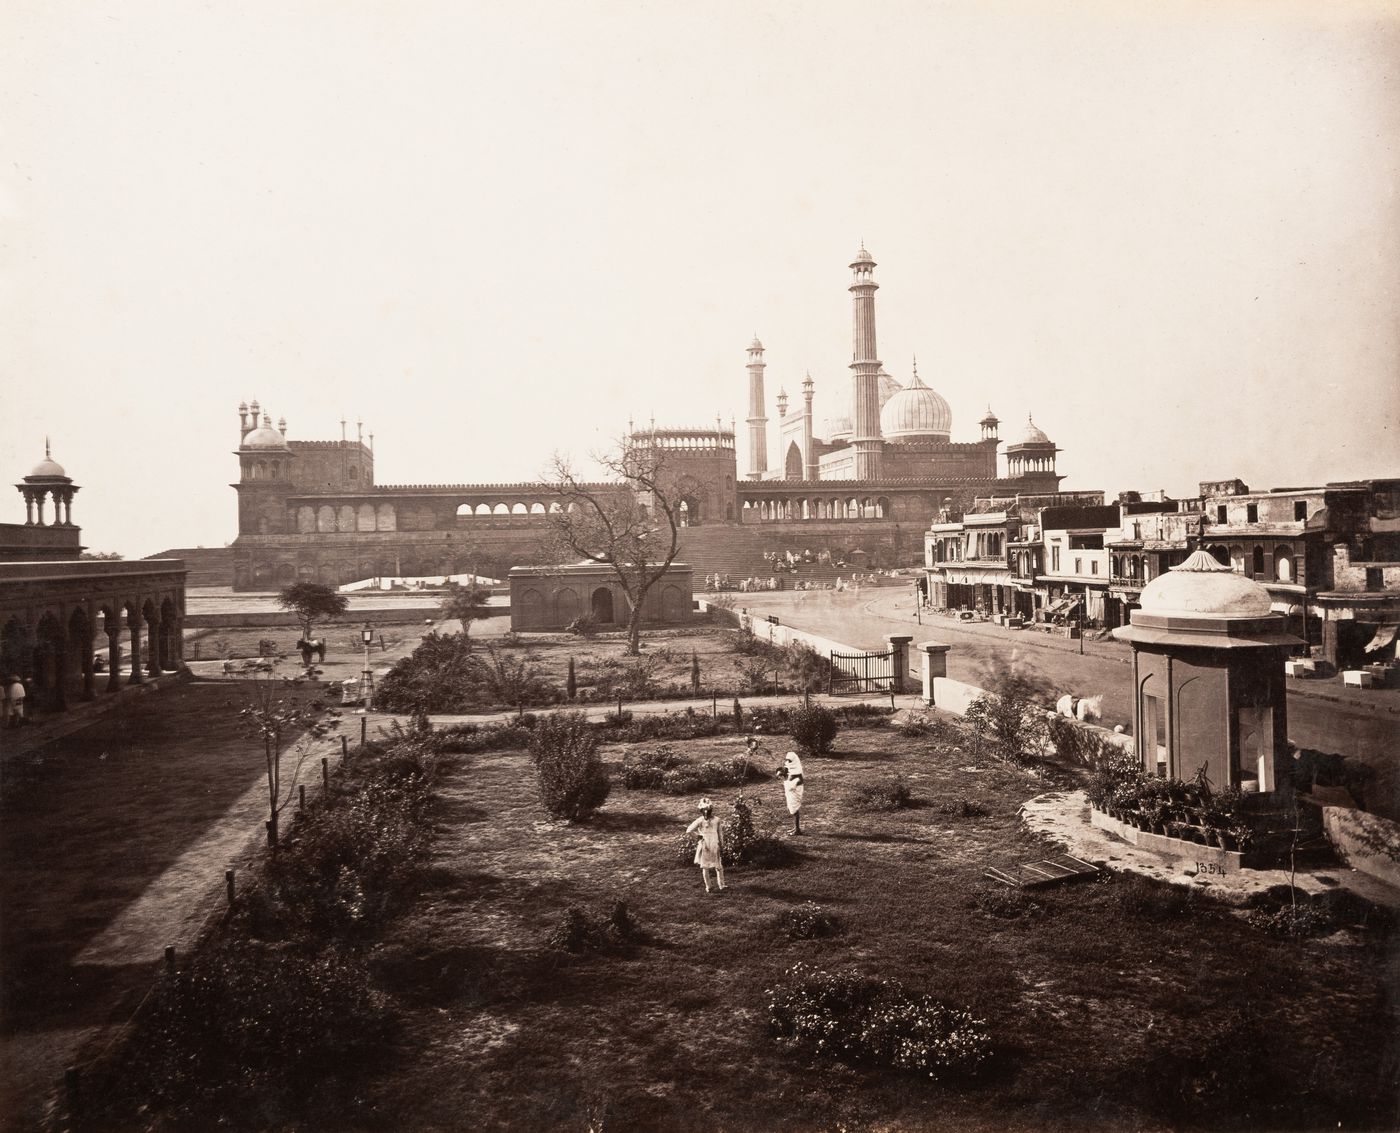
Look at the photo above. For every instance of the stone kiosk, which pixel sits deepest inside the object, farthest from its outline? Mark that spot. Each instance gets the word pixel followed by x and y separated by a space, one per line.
pixel 550 597
pixel 1208 674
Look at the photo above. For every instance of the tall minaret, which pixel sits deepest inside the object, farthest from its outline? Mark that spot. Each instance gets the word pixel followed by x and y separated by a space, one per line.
pixel 809 460
pixel 865 371
pixel 758 423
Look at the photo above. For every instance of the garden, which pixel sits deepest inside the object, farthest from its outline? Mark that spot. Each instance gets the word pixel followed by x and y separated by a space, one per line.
pixel 501 927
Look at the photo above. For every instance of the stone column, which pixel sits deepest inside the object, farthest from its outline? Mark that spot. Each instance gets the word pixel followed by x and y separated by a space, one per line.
pixel 133 623
pixel 1329 641
pixel 935 665
pixel 155 646
pixel 899 646
pixel 114 658
pixel 89 678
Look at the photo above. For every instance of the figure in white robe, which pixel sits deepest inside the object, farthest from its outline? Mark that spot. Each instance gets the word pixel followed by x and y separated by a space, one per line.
pixel 791 775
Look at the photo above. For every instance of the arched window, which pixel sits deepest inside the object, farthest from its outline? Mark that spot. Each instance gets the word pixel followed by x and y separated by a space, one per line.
pixel 1283 564
pixel 1257 562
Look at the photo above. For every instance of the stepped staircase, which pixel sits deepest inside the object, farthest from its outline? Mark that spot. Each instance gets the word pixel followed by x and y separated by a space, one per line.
pixel 207 566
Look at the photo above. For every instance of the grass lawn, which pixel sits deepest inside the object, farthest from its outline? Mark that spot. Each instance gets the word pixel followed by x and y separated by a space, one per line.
pixel 85 828
pixel 1113 1004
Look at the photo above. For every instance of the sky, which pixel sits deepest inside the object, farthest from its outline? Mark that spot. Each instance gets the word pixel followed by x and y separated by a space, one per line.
pixel 493 231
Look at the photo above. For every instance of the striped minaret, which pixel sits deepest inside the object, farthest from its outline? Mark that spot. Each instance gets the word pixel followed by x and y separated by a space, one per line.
pixel 758 422
pixel 865 371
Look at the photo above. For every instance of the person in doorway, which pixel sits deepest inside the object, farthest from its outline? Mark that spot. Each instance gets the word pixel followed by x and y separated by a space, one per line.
pixel 16 695
pixel 4 702
pixel 791 775
pixel 707 852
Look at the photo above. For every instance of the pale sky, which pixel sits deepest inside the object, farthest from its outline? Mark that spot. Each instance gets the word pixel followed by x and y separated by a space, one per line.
pixel 1171 232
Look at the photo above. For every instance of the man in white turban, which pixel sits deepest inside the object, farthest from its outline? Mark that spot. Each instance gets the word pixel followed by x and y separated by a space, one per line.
pixel 791 775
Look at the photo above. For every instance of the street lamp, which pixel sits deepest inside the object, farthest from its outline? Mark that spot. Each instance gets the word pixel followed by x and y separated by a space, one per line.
pixel 367 675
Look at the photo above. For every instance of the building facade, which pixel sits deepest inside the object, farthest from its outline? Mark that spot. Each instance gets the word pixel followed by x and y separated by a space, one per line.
pixel 863 484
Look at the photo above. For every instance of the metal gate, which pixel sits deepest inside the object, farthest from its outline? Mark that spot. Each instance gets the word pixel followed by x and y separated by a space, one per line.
pixel 860 672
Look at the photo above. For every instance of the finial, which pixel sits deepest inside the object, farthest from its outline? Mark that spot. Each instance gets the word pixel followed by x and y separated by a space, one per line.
pixel 47 453
pixel 916 365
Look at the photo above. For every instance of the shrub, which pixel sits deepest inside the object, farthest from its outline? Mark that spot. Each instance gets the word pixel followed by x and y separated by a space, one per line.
pixel 572 780
pixel 1007 903
pixel 617 719
pixel 925 725
pixel 1298 921
pixel 1144 898
pixel 1008 720
pixel 963 808
pixel 862 1019
pixel 1076 744
pixel 809 670
pixel 813 728
pixel 585 625
pixel 891 792
pixel 470 738
pixel 251 1030
pixel 571 682
pixel 809 921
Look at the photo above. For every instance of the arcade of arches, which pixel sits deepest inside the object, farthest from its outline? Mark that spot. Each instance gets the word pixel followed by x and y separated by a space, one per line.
pixel 76 630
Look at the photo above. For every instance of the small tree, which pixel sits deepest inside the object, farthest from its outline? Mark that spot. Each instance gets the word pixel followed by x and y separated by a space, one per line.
pixel 572 780
pixel 630 525
pixel 813 728
pixel 694 672
pixel 571 681
pixel 312 602
pixel 465 604
pixel 278 717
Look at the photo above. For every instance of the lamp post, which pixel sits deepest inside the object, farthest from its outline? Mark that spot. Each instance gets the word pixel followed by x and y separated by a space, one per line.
pixel 367 676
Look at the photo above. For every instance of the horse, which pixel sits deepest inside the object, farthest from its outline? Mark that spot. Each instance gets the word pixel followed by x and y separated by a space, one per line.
pixel 1084 709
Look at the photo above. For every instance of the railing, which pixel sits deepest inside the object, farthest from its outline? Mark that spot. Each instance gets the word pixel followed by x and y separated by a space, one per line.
pixel 860 672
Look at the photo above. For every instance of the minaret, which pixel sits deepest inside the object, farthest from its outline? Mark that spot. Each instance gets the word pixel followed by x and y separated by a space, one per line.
pixel 865 371
pixel 758 423
pixel 809 460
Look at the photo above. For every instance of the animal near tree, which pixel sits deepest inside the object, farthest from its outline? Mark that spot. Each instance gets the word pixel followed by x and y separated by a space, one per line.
pixel 632 531
pixel 312 602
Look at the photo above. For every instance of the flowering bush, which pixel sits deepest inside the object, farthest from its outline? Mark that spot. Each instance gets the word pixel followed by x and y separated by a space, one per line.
pixel 865 1020
pixel 572 780
pixel 809 921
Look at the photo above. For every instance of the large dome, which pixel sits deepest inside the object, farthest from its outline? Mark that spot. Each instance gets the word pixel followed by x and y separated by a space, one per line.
pixel 916 411
pixel 1205 587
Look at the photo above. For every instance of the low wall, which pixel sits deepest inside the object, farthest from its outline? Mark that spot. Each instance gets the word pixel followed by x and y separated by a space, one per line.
pixel 355 618
pixel 954 696
pixel 1366 842
pixel 1190 855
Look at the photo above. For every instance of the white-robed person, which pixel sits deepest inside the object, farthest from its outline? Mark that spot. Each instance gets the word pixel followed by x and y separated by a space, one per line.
pixel 791 775
pixel 707 853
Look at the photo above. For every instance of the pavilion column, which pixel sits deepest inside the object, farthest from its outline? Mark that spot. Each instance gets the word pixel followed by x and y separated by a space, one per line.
pixel 60 674
pixel 89 678
pixel 28 509
pixel 114 657
pixel 154 646
pixel 134 625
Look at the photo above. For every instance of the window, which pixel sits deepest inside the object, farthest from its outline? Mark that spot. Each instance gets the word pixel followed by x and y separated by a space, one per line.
pixel 1258 562
pixel 1078 566
pixel 1220 514
pixel 1086 542
pixel 1094 566
pixel 1251 513
pixel 1300 510
pixel 1055 558
pixel 1375 580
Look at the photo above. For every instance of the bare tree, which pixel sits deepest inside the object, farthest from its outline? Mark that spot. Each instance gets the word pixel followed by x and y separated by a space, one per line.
pixel 629 526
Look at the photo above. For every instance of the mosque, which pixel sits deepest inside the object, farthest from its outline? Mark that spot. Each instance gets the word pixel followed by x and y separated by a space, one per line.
pixel 862 486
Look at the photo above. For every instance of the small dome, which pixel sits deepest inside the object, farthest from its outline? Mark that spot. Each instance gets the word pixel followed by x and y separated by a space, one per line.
pixel 1033 434
pixel 1205 587
pixel 48 468
pixel 839 428
pixel 265 436
pixel 862 257
pixel 990 418
pixel 755 344
pixel 916 411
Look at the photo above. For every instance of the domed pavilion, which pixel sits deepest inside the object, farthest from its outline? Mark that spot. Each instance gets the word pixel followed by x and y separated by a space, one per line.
pixel 1208 657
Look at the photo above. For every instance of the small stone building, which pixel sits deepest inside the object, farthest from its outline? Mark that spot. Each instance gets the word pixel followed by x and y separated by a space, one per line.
pixel 1208 675
pixel 550 597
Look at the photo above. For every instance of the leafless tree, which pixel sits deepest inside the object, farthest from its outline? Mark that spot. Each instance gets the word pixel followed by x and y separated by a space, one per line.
pixel 629 525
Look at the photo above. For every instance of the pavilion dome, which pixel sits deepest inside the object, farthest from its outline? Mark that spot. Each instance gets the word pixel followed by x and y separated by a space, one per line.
pixel 916 411
pixel 47 469
pixel 1034 435
pixel 1203 586
pixel 265 436
pixel 863 257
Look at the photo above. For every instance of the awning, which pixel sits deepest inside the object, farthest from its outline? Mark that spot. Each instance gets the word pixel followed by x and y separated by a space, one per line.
pixel 1063 605
pixel 1384 636
pixel 972 576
